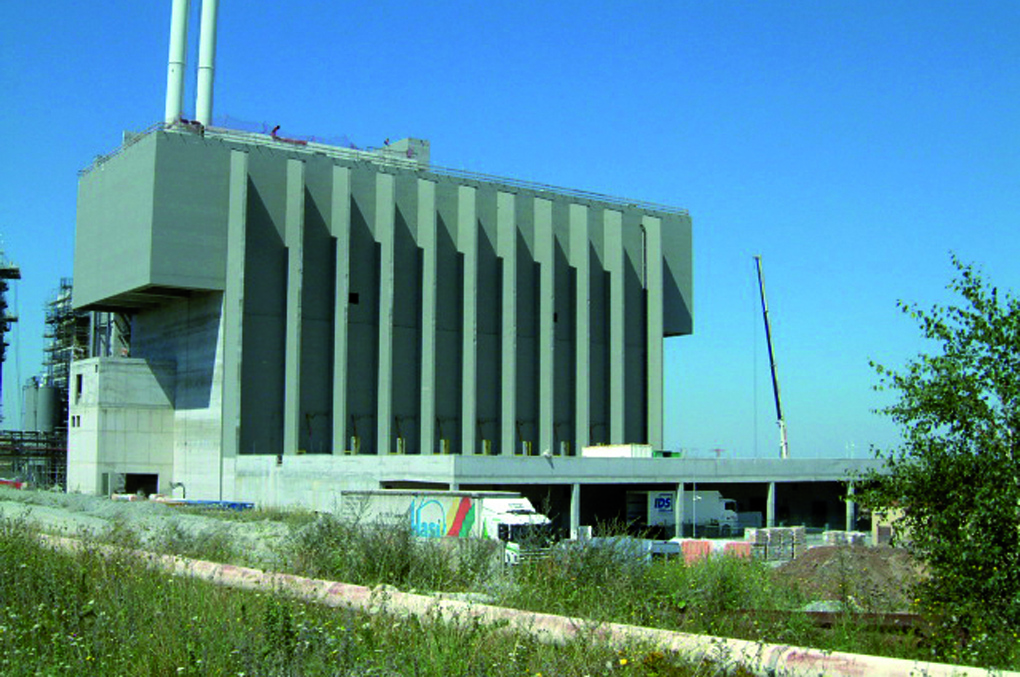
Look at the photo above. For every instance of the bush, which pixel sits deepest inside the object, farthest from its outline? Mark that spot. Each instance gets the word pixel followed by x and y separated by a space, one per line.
pixel 371 555
pixel 956 476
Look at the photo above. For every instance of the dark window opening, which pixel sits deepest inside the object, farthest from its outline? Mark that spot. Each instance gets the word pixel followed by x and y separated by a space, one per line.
pixel 352 298
pixel 138 483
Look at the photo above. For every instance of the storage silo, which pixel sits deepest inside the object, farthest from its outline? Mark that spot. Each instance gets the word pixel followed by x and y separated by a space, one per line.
pixel 41 407
pixel 30 393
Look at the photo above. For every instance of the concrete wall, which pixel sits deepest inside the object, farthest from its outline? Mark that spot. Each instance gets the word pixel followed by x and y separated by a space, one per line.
pixel 152 218
pixel 121 421
pixel 187 334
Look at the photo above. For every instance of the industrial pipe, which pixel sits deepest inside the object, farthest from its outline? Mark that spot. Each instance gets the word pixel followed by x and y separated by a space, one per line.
pixel 206 62
pixel 177 61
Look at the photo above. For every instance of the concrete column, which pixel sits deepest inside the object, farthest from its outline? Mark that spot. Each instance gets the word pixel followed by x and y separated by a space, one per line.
pixel 770 506
pixel 467 234
pixel 294 230
pixel 506 243
pixel 678 511
pixel 340 229
pixel 613 224
pixel 653 284
pixel 851 508
pixel 385 215
pixel 580 260
pixel 427 242
pixel 233 313
pixel 544 248
pixel 575 511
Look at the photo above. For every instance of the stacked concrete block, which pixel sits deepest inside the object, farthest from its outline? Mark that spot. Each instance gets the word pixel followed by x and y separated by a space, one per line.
pixel 780 543
pixel 759 540
pixel 834 537
pixel 777 543
pixel 845 538
pixel 857 538
pixel 799 541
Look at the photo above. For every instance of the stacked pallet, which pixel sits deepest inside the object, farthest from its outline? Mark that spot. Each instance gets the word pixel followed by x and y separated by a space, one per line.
pixel 759 540
pixel 799 540
pixel 780 543
pixel 845 538
pixel 777 543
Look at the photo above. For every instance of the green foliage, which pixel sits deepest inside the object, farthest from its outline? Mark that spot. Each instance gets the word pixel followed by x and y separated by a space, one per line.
pixel 371 555
pixel 103 612
pixel 212 544
pixel 956 477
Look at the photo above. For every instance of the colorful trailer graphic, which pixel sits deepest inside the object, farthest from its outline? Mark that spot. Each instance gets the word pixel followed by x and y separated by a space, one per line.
pixel 430 518
pixel 499 515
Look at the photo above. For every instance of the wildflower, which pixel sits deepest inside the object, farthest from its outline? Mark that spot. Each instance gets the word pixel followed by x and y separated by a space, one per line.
pixel 623 661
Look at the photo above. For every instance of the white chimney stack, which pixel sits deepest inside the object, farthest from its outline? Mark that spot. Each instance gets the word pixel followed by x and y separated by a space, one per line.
pixel 177 61
pixel 206 62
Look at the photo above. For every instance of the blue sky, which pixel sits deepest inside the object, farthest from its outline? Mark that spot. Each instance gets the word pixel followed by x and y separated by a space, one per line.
pixel 852 145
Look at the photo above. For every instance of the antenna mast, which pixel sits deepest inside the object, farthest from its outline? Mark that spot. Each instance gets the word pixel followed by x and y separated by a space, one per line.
pixel 784 450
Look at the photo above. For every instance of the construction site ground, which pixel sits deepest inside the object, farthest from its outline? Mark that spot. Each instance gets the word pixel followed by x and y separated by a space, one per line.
pixel 862 578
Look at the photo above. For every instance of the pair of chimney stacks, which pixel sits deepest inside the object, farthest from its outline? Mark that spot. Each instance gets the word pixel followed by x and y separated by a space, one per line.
pixel 178 62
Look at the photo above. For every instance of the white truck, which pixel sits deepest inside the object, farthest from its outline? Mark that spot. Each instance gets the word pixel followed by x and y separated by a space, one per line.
pixel 503 516
pixel 704 508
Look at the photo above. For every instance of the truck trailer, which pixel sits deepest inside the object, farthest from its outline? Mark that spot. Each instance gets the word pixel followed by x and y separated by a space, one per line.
pixel 701 508
pixel 502 516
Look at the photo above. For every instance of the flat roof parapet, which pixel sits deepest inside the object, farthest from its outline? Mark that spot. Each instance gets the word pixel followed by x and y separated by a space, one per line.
pixel 386 156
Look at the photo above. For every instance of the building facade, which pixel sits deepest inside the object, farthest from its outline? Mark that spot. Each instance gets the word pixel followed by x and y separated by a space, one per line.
pixel 306 318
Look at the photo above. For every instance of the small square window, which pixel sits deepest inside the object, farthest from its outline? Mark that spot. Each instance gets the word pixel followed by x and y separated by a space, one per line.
pixel 352 298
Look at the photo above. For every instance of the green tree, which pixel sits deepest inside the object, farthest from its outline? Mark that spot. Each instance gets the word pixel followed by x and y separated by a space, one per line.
pixel 956 475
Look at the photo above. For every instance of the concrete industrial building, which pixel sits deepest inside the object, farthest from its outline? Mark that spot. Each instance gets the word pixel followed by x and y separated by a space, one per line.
pixel 302 300
pixel 293 319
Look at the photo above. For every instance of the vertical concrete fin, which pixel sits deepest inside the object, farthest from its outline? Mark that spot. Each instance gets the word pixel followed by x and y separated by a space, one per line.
pixel 427 242
pixel 467 233
pixel 654 287
pixel 580 242
pixel 544 248
pixel 506 239
pixel 613 224
pixel 385 221
pixel 770 506
pixel 575 511
pixel 678 511
pixel 340 229
pixel 233 315
pixel 294 228
pixel 851 507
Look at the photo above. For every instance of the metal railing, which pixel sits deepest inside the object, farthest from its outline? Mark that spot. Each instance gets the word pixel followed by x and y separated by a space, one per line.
pixel 378 158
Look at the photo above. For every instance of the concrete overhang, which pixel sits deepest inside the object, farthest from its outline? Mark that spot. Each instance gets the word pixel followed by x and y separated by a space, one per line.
pixel 574 470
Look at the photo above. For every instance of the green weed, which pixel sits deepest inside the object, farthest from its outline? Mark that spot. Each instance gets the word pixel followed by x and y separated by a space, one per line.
pixel 102 612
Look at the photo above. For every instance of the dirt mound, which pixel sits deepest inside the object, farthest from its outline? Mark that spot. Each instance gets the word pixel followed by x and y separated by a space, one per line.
pixel 153 523
pixel 874 579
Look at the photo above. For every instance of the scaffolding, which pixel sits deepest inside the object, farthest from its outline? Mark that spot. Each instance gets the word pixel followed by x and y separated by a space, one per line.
pixel 8 271
pixel 67 339
pixel 38 458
